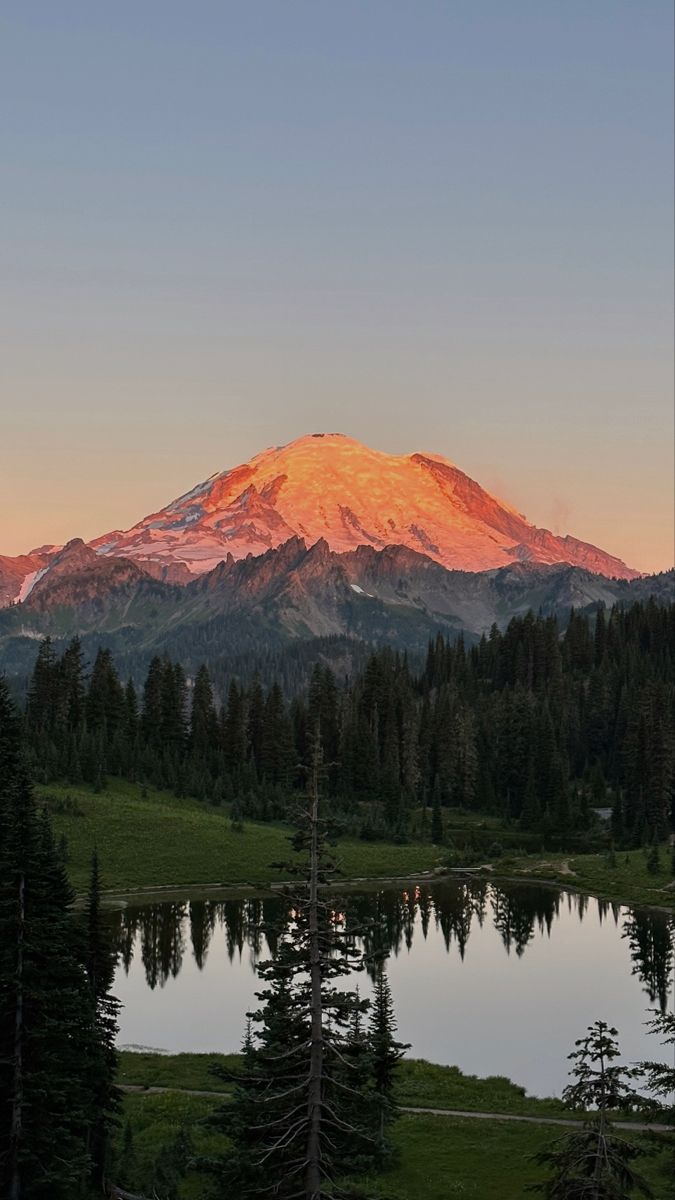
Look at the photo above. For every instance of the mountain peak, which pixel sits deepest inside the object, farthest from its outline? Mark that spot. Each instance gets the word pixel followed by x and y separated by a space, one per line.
pixel 330 487
pixel 326 490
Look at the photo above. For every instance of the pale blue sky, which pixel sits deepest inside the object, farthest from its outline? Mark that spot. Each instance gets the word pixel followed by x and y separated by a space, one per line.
pixel 432 226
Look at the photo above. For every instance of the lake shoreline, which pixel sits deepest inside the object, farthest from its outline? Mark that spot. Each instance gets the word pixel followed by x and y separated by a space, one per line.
pixel 119 897
pixel 155 843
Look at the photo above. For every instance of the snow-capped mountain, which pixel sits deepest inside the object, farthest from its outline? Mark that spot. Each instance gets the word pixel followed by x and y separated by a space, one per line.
pixel 321 488
pixel 330 487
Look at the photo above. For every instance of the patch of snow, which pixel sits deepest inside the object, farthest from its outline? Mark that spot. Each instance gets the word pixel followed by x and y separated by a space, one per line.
pixel 188 519
pixel 199 566
pixel 355 588
pixel 29 583
pixel 135 1048
pixel 195 491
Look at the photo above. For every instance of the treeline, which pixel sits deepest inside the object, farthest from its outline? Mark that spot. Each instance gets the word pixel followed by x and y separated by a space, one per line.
pixel 528 724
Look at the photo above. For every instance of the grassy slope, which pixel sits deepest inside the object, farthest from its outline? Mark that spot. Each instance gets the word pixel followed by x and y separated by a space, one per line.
pixel 628 882
pixel 161 840
pixel 441 1157
pixel 437 1157
pixel 421 1084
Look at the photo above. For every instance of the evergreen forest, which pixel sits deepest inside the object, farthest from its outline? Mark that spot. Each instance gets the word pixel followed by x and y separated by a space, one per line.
pixel 538 726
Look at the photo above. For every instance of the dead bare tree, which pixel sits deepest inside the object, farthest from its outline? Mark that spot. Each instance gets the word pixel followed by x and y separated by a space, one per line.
pixel 299 1121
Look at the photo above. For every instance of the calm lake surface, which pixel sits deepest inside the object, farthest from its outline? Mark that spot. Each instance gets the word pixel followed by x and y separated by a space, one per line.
pixel 497 979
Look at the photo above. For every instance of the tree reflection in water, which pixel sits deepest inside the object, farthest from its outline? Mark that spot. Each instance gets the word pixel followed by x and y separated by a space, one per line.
pixel 387 921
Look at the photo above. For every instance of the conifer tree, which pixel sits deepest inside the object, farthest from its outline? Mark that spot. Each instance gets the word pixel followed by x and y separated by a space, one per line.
pixel 293 1128
pixel 71 688
pixel 594 1161
pixel 277 752
pixel 105 704
pixel 99 962
pixel 45 1109
pixel 235 742
pixel 531 811
pixel 659 1076
pixel 654 858
pixel 436 815
pixel 322 711
pixel 131 705
pixel 203 719
pixel 41 708
pixel 256 724
pixel 151 719
pixel 385 1051
pixel 616 822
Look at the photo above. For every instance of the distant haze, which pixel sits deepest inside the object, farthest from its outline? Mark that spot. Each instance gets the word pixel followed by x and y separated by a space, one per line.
pixel 436 228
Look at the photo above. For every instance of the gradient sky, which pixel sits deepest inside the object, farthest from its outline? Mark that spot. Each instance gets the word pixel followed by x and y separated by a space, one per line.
pixel 442 226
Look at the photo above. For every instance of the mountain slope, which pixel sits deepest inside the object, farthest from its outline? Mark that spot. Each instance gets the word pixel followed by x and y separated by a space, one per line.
pixel 330 487
pixel 255 605
pixel 17 575
pixel 75 575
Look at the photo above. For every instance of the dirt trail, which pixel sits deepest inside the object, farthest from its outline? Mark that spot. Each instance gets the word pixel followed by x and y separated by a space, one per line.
pixel 568 1122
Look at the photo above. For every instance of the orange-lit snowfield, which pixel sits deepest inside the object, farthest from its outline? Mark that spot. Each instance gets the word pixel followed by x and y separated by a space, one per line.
pixel 332 487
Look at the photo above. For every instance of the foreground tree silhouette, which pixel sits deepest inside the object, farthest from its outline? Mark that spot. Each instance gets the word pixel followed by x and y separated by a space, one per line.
pixel 99 962
pixel 46 1028
pixel 593 1162
pixel 299 1119
pixel 660 1076
pixel 384 1051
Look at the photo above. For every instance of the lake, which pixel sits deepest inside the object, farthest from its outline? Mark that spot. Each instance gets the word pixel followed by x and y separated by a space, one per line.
pixel 498 979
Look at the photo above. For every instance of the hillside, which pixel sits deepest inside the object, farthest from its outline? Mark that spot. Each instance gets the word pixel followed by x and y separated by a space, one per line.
pixel 267 603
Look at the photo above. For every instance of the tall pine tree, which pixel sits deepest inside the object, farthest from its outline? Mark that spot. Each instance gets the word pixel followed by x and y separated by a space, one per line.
pixel 45 1015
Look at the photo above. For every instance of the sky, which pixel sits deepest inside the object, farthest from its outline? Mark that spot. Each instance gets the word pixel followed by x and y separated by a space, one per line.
pixel 434 226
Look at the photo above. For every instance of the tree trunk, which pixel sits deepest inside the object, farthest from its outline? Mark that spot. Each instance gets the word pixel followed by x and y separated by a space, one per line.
pixel 16 1129
pixel 600 1146
pixel 314 1099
